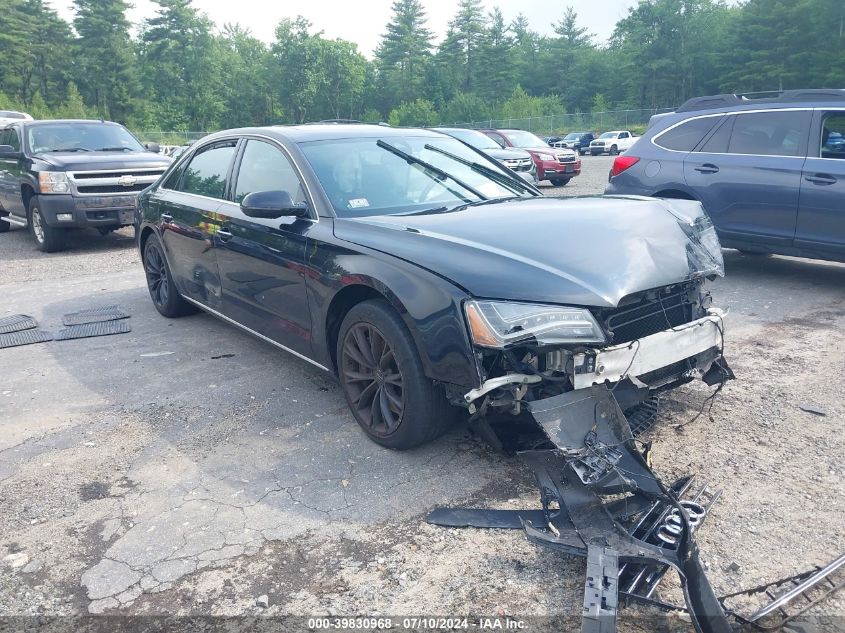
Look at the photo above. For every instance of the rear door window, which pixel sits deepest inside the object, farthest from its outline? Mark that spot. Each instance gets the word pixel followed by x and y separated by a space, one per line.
pixel 205 174
pixel 686 136
pixel 775 133
pixel 833 136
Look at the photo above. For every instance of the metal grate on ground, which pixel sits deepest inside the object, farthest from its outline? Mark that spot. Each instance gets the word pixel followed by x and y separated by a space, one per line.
pixel 88 330
pixel 95 315
pixel 16 323
pixel 25 337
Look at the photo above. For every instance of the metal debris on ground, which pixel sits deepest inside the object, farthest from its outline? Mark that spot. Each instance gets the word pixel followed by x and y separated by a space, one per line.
pixel 812 587
pixel 26 337
pixel 17 323
pixel 87 330
pixel 601 500
pixel 95 315
pixel 809 408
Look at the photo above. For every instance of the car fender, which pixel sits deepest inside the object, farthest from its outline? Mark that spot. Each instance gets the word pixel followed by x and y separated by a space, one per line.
pixel 430 306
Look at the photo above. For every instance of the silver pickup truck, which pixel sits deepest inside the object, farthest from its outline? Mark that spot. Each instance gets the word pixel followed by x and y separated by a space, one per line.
pixel 60 175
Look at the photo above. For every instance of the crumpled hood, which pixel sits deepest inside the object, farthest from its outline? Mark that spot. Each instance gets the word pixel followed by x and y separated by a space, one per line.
pixel 579 251
pixel 92 161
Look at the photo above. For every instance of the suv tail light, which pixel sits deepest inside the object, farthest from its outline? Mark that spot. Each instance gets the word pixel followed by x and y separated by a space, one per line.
pixel 622 163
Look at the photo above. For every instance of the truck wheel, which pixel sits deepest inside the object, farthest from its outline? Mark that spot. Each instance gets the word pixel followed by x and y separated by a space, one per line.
pixel 49 239
pixel 4 226
pixel 614 150
pixel 383 379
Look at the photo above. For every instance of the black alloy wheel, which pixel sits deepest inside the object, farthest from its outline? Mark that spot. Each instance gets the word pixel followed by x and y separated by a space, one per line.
pixel 382 377
pixel 373 379
pixel 163 292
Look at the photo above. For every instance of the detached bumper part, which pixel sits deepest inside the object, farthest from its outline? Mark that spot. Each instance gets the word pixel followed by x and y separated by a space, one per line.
pixel 596 458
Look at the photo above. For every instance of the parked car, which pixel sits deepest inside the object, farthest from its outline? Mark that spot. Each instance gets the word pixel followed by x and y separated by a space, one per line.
pixel 425 275
pixel 556 165
pixel 516 160
pixel 578 141
pixel 58 175
pixel 612 143
pixel 763 168
pixel 11 116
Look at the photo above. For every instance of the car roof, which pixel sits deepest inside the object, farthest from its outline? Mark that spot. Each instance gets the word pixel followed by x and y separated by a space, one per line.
pixel 331 131
pixel 764 100
pixel 40 122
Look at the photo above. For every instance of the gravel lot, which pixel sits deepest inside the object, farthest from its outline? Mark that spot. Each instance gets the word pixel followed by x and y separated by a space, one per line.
pixel 186 468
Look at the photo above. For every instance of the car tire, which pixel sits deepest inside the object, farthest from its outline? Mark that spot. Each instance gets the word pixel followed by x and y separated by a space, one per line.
pixel 4 226
pixel 163 292
pixel 48 239
pixel 614 150
pixel 559 182
pixel 390 397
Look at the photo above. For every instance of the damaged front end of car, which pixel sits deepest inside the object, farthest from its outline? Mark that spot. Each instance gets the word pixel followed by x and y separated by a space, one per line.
pixel 650 341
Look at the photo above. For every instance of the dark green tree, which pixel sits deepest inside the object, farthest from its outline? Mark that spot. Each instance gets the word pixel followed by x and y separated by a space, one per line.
pixel 105 70
pixel 405 50
pixel 181 67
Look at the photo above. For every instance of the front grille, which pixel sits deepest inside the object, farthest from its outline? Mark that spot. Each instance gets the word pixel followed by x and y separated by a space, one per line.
pixel 650 313
pixel 566 160
pixel 115 182
pixel 111 189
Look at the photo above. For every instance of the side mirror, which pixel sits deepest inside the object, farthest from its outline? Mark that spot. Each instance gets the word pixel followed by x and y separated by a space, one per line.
pixel 7 151
pixel 155 148
pixel 271 205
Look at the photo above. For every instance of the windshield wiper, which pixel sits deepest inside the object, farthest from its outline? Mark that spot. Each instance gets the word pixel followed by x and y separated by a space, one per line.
pixel 504 180
pixel 428 167
pixel 69 149
pixel 114 149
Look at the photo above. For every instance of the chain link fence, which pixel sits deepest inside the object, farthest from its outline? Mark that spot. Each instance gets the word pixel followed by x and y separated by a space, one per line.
pixel 170 138
pixel 635 120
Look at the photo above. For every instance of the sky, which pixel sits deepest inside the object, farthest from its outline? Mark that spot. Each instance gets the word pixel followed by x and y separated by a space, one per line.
pixel 363 21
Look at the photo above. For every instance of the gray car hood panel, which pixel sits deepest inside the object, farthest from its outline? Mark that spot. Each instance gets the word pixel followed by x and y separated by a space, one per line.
pixel 580 251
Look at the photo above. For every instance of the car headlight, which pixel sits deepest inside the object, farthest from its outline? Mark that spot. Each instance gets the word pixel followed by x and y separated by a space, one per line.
pixel 546 157
pixel 53 182
pixel 500 324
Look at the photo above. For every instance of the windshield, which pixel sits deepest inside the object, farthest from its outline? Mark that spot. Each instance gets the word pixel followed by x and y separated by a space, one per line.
pixel 370 176
pixel 574 136
pixel 520 138
pixel 476 139
pixel 81 137
pixel 608 135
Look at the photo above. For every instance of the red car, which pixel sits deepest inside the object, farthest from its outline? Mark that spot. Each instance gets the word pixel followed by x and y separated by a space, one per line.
pixel 556 165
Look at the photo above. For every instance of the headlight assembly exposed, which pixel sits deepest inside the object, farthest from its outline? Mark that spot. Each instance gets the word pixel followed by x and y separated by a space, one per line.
pixel 53 182
pixel 500 324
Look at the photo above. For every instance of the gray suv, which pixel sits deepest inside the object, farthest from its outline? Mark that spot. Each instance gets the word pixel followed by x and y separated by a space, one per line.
pixel 769 171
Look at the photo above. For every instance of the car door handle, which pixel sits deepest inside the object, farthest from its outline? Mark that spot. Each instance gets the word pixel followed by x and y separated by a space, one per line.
pixel 707 168
pixel 224 234
pixel 166 217
pixel 820 179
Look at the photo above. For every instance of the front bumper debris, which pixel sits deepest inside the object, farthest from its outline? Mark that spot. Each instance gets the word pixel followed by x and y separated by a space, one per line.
pixel 650 353
pixel 601 500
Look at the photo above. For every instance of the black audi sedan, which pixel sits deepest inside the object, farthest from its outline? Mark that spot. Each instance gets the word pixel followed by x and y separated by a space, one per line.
pixel 426 276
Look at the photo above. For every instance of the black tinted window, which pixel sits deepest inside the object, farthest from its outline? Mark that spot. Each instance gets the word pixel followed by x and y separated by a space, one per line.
pixel 770 133
pixel 687 135
pixel 205 175
pixel 266 168
pixel 833 136
pixel 13 139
